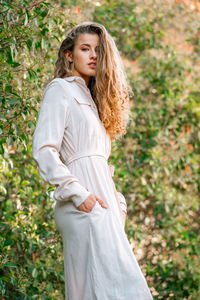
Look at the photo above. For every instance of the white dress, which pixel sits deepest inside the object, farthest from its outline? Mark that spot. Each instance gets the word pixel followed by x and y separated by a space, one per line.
pixel 71 148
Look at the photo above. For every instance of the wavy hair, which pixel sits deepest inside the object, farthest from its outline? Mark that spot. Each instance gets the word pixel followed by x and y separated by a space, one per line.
pixel 109 87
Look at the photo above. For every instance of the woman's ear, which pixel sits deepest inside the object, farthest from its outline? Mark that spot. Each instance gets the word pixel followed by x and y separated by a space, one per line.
pixel 68 56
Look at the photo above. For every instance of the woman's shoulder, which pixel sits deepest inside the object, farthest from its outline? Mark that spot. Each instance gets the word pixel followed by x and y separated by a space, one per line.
pixel 58 82
pixel 59 88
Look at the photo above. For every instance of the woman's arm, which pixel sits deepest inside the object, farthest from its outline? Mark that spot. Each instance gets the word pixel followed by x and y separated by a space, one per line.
pixel 47 139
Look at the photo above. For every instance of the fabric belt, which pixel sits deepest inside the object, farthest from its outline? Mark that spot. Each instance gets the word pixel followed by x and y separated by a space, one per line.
pixel 83 154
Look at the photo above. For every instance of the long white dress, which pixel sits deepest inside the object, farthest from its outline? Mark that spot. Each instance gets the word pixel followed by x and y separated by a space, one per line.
pixel 71 148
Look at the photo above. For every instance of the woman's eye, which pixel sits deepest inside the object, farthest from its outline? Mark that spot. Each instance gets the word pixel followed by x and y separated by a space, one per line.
pixel 84 49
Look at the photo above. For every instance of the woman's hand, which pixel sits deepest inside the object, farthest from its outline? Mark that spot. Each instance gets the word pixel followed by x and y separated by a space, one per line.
pixel 89 203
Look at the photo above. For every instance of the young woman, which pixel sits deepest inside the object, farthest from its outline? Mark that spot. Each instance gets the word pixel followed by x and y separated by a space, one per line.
pixel 84 107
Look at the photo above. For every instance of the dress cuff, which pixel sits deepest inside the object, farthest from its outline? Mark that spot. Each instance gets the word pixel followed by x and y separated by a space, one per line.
pixel 73 191
pixel 121 197
pixel 122 202
pixel 123 207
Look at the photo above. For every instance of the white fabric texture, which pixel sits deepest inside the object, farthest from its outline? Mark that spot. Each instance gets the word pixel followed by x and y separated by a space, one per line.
pixel 71 148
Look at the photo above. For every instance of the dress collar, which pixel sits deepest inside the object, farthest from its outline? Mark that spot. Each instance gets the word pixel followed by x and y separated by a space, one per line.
pixel 80 95
pixel 76 78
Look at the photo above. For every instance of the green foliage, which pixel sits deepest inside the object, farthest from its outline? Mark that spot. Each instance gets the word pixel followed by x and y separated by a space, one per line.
pixel 31 249
pixel 156 163
pixel 135 28
pixel 163 173
pixel 158 167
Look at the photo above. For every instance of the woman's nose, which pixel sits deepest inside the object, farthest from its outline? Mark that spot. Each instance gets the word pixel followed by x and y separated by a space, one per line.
pixel 93 54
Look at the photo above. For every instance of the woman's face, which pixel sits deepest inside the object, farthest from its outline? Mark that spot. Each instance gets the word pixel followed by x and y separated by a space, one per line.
pixel 84 56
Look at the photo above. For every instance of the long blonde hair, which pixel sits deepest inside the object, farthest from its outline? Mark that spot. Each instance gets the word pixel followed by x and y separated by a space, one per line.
pixel 109 87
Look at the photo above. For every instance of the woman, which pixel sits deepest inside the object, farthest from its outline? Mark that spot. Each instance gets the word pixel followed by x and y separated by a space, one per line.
pixel 84 107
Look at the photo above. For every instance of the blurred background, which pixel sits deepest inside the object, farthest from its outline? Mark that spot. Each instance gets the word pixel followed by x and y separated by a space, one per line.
pixel 156 162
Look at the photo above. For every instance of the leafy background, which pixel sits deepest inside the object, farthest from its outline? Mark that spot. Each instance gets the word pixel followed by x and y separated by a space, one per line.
pixel 156 162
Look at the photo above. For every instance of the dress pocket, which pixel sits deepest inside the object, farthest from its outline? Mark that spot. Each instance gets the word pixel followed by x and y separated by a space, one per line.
pixel 86 102
pixel 88 213
pixel 82 100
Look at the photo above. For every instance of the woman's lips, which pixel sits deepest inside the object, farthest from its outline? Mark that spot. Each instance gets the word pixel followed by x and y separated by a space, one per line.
pixel 92 65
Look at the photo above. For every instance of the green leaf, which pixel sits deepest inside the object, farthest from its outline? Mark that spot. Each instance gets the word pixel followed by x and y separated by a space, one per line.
pixel 34 273
pixel 10 265
pixel 13 101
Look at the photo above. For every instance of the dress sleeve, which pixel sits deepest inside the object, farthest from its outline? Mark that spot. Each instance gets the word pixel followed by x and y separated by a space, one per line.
pixel 121 197
pixel 47 139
